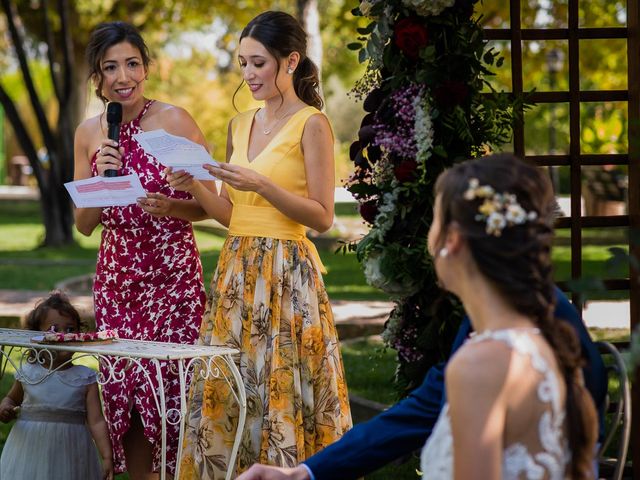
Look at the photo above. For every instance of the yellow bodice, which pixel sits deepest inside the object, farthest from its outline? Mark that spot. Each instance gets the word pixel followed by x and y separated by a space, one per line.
pixel 282 161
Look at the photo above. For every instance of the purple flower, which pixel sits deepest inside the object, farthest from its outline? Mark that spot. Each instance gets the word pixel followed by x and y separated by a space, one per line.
pixel 395 122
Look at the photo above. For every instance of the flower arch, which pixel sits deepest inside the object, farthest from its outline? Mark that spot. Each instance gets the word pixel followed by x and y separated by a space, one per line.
pixel 429 105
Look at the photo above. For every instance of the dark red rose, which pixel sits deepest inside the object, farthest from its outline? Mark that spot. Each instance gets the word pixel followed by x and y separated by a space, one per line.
pixel 451 93
pixel 406 170
pixel 368 210
pixel 410 36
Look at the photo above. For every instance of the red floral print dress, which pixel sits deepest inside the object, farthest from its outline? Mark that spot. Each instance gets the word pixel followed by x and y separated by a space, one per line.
pixel 148 286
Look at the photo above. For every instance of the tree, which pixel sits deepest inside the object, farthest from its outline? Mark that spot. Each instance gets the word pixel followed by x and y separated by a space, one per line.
pixel 61 32
pixel 54 33
pixel 58 139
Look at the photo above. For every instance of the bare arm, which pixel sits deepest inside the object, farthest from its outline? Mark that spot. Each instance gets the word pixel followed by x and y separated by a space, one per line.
pixel 475 380
pixel 316 210
pixel 176 121
pixel 86 219
pixel 263 472
pixel 10 402
pixel 99 431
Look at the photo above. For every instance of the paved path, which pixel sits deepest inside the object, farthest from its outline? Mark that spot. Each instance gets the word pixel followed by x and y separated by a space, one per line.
pixel 353 318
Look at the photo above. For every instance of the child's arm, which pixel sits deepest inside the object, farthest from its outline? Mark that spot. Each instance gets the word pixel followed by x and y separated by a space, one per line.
pixel 8 410
pixel 99 431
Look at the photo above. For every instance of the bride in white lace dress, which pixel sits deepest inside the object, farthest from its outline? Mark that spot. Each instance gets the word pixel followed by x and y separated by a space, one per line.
pixel 517 407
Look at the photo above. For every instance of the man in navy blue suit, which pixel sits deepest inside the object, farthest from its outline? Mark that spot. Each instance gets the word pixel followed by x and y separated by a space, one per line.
pixel 405 426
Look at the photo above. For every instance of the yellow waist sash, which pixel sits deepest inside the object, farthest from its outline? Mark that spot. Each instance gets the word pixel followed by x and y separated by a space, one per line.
pixel 252 221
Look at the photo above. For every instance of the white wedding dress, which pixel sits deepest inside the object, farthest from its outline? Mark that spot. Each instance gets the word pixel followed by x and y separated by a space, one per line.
pixel 544 455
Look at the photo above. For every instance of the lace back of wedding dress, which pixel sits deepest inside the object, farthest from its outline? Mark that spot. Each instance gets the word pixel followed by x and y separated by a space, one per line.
pixel 537 454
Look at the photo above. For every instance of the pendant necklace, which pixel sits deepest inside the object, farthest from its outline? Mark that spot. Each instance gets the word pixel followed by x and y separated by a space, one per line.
pixel 267 131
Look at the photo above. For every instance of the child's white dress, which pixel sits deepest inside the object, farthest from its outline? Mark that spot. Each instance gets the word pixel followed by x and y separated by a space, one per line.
pixel 51 439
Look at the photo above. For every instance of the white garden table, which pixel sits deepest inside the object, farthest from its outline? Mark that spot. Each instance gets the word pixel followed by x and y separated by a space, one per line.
pixel 120 355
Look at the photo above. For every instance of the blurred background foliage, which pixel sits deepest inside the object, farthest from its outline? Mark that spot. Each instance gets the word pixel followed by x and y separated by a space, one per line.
pixel 603 66
pixel 194 46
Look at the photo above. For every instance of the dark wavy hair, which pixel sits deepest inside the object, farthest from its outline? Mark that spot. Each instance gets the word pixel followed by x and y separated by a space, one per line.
pixel 57 301
pixel 518 263
pixel 104 36
pixel 281 34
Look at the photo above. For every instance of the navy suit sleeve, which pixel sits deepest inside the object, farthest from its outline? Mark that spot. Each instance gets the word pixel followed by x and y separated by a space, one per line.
pixel 405 426
pixel 401 429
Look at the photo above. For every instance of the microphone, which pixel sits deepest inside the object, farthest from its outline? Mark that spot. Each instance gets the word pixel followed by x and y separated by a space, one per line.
pixel 114 118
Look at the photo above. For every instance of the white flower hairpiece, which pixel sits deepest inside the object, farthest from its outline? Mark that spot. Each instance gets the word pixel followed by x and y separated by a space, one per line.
pixel 498 210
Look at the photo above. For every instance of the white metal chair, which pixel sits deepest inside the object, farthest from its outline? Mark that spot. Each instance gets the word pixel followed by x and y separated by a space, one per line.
pixel 618 408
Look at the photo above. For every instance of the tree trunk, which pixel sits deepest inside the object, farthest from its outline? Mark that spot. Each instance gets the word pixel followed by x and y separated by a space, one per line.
pixel 310 19
pixel 55 204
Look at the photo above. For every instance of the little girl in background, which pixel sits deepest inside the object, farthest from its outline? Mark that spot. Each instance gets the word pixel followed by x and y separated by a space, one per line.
pixel 58 415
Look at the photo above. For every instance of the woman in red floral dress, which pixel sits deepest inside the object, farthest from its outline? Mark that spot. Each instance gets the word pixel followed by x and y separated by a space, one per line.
pixel 148 283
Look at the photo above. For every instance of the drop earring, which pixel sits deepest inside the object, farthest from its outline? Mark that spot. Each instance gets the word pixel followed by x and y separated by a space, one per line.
pixel 444 251
pixel 290 70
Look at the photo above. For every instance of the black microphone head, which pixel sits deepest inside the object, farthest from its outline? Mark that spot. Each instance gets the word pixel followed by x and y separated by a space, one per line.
pixel 114 112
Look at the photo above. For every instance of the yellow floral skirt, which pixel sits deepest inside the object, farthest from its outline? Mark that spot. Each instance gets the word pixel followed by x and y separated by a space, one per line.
pixel 268 300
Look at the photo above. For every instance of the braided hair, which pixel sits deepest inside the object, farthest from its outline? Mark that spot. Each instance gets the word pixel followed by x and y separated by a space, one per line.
pixel 516 259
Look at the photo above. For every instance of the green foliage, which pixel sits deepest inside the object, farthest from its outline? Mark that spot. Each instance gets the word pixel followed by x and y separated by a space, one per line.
pixel 24 266
pixel 430 105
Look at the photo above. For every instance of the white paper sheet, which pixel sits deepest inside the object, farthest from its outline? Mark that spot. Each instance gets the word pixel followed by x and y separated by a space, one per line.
pixel 106 191
pixel 176 152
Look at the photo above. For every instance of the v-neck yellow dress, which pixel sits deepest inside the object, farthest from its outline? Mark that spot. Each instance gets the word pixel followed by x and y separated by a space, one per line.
pixel 267 298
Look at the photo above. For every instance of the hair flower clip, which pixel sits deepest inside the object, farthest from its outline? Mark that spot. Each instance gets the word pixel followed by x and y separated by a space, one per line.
pixel 498 210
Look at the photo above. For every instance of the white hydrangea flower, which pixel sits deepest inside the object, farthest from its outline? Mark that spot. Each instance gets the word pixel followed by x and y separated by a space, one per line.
pixel 386 215
pixel 495 223
pixel 372 272
pixel 366 6
pixel 428 8
pixel 423 128
pixel 515 214
pixel 392 327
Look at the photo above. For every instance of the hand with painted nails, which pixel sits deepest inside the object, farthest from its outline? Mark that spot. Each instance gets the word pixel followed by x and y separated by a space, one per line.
pixel 156 204
pixel 264 472
pixel 109 156
pixel 237 177
pixel 180 180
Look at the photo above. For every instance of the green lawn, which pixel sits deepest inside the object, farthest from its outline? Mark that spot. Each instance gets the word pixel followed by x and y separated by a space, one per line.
pixel 23 265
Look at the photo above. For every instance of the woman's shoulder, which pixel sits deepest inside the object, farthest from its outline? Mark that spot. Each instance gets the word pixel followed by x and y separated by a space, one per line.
pixel 173 119
pixel 316 121
pixel 89 126
pixel 166 113
pixel 484 364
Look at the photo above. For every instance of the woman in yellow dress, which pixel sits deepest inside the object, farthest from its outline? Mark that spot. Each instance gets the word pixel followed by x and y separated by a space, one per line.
pixel 267 296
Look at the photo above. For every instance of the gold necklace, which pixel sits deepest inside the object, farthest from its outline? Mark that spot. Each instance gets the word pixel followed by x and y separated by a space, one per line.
pixel 267 131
